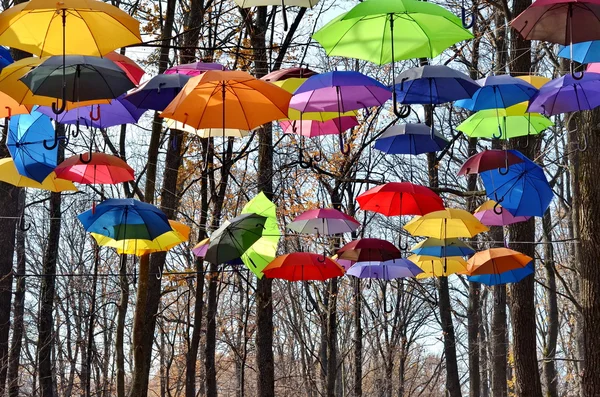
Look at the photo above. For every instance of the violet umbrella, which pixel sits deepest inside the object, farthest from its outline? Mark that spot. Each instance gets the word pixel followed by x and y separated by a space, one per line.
pixel 486 215
pixel 157 92
pixel 195 68
pixel 567 94
pixel 200 249
pixel 385 270
pixel 410 139
pixel 324 221
pixel 313 128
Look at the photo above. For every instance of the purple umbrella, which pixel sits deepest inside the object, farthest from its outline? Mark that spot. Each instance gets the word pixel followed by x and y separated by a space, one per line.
pixel 157 92
pixel 486 215
pixel 388 270
pixel 325 221
pixel 200 249
pixel 195 69
pixel 566 94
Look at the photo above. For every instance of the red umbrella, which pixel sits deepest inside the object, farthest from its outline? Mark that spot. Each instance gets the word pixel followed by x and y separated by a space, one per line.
pixel 400 198
pixel 282 74
pixel 101 169
pixel 303 266
pixel 369 250
pixel 489 160
pixel 131 69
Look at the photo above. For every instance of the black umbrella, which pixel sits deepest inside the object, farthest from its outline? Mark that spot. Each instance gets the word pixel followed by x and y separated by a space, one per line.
pixel 157 92
pixel 235 237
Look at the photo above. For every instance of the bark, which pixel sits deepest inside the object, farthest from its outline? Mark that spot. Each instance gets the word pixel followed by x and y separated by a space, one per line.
pixel 358 336
pixel 549 350
pixel 332 362
pixel 120 336
pixel 211 331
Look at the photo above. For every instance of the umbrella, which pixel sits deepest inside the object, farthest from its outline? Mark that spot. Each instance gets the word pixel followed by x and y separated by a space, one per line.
pixel 369 249
pixel 282 3
pixel 497 92
pixel 567 94
pixel 523 190
pixel 10 175
pixel 234 238
pixel 386 270
pixel 410 139
pixel 593 67
pixel 442 247
pixel 433 85
pixel 133 71
pixel 313 128
pixel 195 68
pixel 433 266
pixel 486 215
pixel 325 221
pixel 489 159
pixel 124 219
pixel 509 276
pixel 10 107
pixel 100 169
pixel 495 261
pixel 584 52
pixel 447 223
pixel 200 249
pixel 205 132
pixel 284 74
pixel 303 266
pixel 400 198
pixel 138 247
pixel 157 92
pixel 27 139
pixel 5 56
pixel 345 263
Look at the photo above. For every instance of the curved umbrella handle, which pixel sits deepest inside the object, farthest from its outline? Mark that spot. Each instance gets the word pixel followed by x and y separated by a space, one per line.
pixel 577 76
pixel 76 131
pixel 9 109
pixel 22 225
pixel 47 146
pixel 59 109
pixel 303 164
pixel 309 308
pixel 97 116
pixel 497 208
pixel 344 147
pixel 505 166
pixel 464 16
pixel 579 148
pixel 84 160
pixel 385 307
pixel 404 110
pixel 499 133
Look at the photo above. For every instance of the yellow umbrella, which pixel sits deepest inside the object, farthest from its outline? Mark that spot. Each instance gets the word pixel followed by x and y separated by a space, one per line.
pixel 205 132
pixel 447 223
pixel 164 242
pixel 434 266
pixel 91 27
pixel 536 81
pixel 9 174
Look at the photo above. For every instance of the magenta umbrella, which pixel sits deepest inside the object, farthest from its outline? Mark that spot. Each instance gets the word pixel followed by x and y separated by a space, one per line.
pixel 325 221
pixel 486 215
pixel 313 128
pixel 195 69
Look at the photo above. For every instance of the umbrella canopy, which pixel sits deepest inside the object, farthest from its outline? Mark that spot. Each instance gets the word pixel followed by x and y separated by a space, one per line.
pixel 345 263
pixel 442 247
pixel 200 249
pixel 567 94
pixel 92 27
pixel 433 266
pixel 325 221
pixel 447 223
pixel 195 68
pixel 383 31
pixel 489 159
pixel 10 107
pixel 234 238
pixel 100 169
pixel 593 67
pixel 287 73
pixel 497 92
pixel 131 69
pixel 584 52
pixel 368 250
pixel 523 190
pixel 125 219
pixel 226 99
pixel 86 77
pixel 205 132
pixel 433 84
pixel 25 141
pixel 303 266
pixel 258 3
pixel 486 215
pixel 509 276
pixel 157 92
pixel 400 198
pixel 410 139
pixel 386 270
pixel 10 175
pixel 495 261
pixel 164 242
pixel 313 128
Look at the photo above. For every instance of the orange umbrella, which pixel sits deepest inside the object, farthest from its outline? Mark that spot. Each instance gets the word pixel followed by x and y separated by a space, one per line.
pixel 10 107
pixel 228 99
pixel 495 261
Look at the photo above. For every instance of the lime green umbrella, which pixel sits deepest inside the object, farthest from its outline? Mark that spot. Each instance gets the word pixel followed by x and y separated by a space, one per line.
pixel 263 251
pixel 419 30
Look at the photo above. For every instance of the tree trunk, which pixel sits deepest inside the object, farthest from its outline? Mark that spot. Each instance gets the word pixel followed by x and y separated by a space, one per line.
pixel 499 342
pixel 192 354
pixel 332 362
pixel 211 330
pixel 358 336
pixel 549 351
pixel 121 316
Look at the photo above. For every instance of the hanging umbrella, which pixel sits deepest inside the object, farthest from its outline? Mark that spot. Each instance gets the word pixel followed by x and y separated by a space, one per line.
pixel 447 223
pixel 593 67
pixel 324 221
pixel 205 132
pixel 509 276
pixel 28 135
pixel 10 107
pixel 368 250
pixel 345 263
pixel 157 92
pixel 284 74
pixel 303 266
pixel 124 219
pixel 433 266
pixel 442 247
pixel 313 128
pixel 386 270
pixel 567 94
pixel 100 169
pixel 10 175
pixel 486 215
pixel 584 52
pixel 195 68
pixel 410 139
pixel 133 71
pixel 5 56
pixel 489 159
pixel 234 237
pixel 498 92
pixel 400 198
pixel 200 249
pixel 495 261
pixel 523 190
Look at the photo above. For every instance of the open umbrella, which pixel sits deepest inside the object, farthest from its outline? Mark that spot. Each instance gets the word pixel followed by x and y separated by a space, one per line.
pixel 287 73
pixel 200 249
pixel 131 69
pixel 410 139
pixel 498 92
pixel 324 221
pixel 313 128
pixel 447 223
pixel 495 261
pixel 509 276
pixel 385 270
pixel 10 175
pixel 368 250
pixel 303 266
pixel 195 68
pixel 234 238
pixel 567 94
pixel 584 52
pixel 433 266
pixel 345 263
pixel 101 169
pixel 400 198
pixel 9 106
pixel 442 247
pixel 489 217
pixel 205 132
pixel 489 159
pixel 157 92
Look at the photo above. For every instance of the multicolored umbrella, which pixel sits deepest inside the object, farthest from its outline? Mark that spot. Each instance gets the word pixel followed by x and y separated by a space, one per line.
pixel 496 261
pixel 489 159
pixel 10 175
pixel 313 128
pixel 509 276
pixel 433 266
pixel 303 266
pixel 447 223
pixel 400 198
pixel 369 250
pixel 234 238
pixel 567 94
pixel 158 92
pixel 410 139
pixel 499 217
pixel 101 168
pixel 324 221
pixel 386 270
pixel 195 68
pixel 441 248
pixel 498 92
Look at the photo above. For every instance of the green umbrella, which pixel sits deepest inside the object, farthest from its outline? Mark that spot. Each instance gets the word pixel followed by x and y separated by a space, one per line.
pixel 263 251
pixel 234 238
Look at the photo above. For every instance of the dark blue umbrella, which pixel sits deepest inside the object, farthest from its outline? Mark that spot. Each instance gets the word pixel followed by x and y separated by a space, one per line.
pixel 410 139
pixel 522 189
pixel 124 219
pixel 584 52
pixel 5 57
pixel 510 276
pixel 498 92
pixel 442 247
pixel 157 92
pixel 25 141
pixel 433 85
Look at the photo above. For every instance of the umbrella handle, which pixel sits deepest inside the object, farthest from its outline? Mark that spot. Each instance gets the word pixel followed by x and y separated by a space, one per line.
pixel 97 116
pixel 404 110
pixel 497 209
pixel 55 108
pixel 385 307
pixel 505 166
pixel 309 308
pixel 579 148
pixel 523 146
pixel 303 164
pixel 464 16
pixel 55 142
pixel 75 132
pixel 499 133
pixel 344 147
pixel 22 225
pixel 8 108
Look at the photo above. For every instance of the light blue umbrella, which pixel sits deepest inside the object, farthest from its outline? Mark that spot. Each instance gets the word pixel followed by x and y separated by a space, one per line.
pixel 584 52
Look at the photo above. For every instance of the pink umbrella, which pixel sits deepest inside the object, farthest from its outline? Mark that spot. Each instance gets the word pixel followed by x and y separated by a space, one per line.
pixel 486 215
pixel 345 263
pixel 312 128
pixel 593 67
pixel 200 249
pixel 195 69
pixel 324 221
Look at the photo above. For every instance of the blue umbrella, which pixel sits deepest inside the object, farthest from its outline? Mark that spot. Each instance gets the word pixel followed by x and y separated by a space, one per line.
pixel 498 92
pixel 442 247
pixel 124 219
pixel 410 139
pixel 157 92
pixel 510 276
pixel 433 85
pixel 584 52
pixel 522 189
pixel 5 57
pixel 25 141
